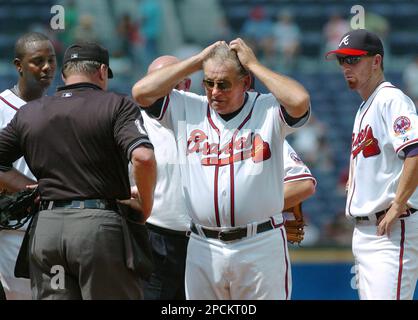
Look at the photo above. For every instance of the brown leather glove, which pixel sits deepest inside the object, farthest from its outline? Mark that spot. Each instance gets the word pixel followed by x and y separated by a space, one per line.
pixel 295 227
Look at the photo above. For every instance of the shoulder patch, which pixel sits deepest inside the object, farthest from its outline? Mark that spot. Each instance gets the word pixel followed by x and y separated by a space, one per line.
pixel 295 157
pixel 401 125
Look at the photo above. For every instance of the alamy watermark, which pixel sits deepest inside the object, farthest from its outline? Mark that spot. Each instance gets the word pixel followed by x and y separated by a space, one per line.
pixel 57 21
pixel 58 280
pixel 358 20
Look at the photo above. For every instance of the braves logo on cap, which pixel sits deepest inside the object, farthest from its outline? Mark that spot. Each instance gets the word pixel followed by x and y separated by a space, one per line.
pixel 344 41
pixel 401 125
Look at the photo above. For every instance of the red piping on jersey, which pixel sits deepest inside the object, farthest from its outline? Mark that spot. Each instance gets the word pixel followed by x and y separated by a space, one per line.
pixel 215 191
pixel 164 109
pixel 354 184
pixel 9 104
pixel 398 291
pixel 406 144
pixel 231 166
pixel 286 284
pixel 289 178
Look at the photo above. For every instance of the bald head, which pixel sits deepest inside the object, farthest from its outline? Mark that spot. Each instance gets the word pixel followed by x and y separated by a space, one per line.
pixel 165 61
pixel 161 62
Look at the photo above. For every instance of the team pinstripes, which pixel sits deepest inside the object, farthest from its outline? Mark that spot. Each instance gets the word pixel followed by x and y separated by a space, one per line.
pixel 401 252
pixel 9 104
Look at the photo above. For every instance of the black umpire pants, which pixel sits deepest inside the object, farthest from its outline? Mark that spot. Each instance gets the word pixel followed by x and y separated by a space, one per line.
pixel 79 254
pixel 169 250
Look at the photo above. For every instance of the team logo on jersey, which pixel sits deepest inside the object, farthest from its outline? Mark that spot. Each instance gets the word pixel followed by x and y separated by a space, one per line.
pixel 252 146
pixel 365 142
pixel 401 125
pixel 295 157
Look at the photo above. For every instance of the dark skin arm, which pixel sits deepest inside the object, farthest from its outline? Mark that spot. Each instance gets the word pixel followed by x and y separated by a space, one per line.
pixel 12 181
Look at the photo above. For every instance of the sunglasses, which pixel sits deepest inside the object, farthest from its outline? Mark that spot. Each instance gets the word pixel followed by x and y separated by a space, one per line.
pixel 351 60
pixel 221 85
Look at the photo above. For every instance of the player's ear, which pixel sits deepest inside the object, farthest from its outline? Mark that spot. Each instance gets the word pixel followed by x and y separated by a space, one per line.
pixel 377 61
pixel 103 72
pixel 18 64
pixel 247 82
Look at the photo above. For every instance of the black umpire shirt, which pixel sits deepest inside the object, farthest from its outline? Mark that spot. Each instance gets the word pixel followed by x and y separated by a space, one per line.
pixel 77 143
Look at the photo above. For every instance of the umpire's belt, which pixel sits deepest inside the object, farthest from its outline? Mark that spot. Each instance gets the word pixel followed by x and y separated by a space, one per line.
pixel 79 204
pixel 377 215
pixel 233 234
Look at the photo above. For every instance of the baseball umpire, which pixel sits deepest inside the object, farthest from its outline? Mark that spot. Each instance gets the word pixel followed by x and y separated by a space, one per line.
pixel 78 144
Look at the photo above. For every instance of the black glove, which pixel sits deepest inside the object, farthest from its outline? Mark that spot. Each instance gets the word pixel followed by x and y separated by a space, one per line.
pixel 17 208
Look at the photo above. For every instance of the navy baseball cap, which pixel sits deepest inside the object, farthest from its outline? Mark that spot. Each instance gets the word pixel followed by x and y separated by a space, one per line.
pixel 358 42
pixel 87 51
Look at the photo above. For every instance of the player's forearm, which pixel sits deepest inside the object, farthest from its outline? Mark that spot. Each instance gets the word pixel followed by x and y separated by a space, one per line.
pixel 145 175
pixel 159 83
pixel 293 96
pixel 408 181
pixel 13 181
pixel 297 191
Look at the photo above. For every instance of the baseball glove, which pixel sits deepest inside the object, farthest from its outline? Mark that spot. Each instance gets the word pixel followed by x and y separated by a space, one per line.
pixel 295 227
pixel 17 208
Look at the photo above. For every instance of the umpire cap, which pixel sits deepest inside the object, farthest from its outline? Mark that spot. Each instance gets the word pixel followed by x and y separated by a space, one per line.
pixel 358 42
pixel 88 51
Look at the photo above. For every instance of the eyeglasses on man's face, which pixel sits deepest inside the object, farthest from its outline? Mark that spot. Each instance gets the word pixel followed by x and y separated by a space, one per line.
pixel 221 85
pixel 350 60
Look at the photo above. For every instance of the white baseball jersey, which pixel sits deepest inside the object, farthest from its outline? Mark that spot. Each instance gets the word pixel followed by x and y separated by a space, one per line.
pixel 169 210
pixel 294 168
pixel 9 104
pixel 11 240
pixel 234 169
pixel 384 125
pixel 386 267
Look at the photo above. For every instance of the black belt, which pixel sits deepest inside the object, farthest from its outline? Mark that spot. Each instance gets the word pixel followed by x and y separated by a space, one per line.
pixel 380 213
pixel 79 204
pixel 165 231
pixel 234 234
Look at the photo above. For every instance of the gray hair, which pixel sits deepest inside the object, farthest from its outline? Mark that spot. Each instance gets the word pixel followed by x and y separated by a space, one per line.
pixel 86 67
pixel 223 53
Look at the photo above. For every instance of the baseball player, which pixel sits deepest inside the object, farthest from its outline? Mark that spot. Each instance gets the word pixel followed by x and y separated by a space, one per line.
pixel 382 184
pixel 35 63
pixel 169 222
pixel 299 184
pixel 231 144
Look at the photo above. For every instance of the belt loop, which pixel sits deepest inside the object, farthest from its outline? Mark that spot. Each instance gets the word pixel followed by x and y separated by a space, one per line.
pixel 199 230
pixel 50 205
pixel 252 229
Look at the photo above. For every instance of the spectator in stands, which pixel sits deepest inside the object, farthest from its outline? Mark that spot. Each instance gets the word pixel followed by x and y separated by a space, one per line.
pixel 410 79
pixel 71 21
pixel 257 32
pixel 129 36
pixel 312 145
pixel 84 31
pixel 286 35
pixel 333 30
pixel 380 25
pixel 150 12
pixel 338 231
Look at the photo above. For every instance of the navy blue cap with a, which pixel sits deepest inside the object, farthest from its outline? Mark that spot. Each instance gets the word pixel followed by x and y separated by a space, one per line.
pixel 358 42
pixel 87 51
